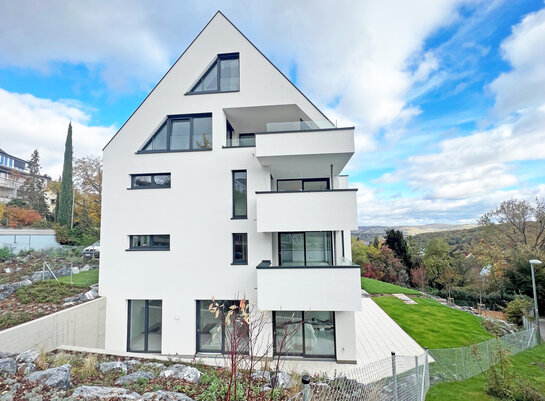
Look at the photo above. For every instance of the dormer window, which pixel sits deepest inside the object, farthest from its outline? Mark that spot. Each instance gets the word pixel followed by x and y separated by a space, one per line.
pixel 222 76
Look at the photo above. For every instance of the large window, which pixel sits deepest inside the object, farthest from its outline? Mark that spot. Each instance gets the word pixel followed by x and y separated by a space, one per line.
pixel 222 76
pixel 312 248
pixel 143 181
pixel 307 184
pixel 150 242
pixel 240 249
pixel 307 334
pixel 144 326
pixel 213 334
pixel 182 133
pixel 240 210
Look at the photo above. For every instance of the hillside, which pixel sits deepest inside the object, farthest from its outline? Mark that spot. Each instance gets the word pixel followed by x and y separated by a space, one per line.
pixel 368 233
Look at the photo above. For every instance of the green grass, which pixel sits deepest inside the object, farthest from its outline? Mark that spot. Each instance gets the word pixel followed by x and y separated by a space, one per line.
pixel 380 287
pixel 433 325
pixel 473 389
pixel 83 279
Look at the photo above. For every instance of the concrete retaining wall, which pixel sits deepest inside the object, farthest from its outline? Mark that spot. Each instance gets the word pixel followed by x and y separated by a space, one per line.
pixel 82 325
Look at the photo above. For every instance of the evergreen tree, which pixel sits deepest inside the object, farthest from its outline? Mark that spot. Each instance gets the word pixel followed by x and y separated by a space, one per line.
pixel 57 202
pixel 396 242
pixel 64 215
pixel 32 190
pixel 376 242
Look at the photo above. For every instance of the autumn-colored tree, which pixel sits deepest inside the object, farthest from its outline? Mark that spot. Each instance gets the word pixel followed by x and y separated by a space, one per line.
pixel 88 185
pixel 18 216
pixel 418 277
pixel 383 265
pixel 32 190
pixel 436 260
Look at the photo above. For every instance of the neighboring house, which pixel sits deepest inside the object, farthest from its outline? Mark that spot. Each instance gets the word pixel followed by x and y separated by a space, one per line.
pixel 12 175
pixel 226 183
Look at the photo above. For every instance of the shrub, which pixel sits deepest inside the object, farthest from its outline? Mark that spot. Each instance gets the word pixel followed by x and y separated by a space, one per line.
pixel 518 308
pixel 18 216
pixel 46 291
pixel 10 319
pixel 5 254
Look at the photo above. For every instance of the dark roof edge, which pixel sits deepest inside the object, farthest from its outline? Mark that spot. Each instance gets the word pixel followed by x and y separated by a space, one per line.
pixel 193 41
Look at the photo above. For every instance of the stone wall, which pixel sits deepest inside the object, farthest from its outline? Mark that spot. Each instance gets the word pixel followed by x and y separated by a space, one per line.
pixel 81 325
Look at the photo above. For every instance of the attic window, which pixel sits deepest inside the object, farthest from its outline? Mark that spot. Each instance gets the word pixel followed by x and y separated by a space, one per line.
pixel 222 76
pixel 191 132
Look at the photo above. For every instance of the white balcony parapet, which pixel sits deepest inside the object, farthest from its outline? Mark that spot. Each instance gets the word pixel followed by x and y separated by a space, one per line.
pixel 308 288
pixel 329 210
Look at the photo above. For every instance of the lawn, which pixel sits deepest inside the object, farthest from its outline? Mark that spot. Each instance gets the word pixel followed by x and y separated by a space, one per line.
pixel 380 287
pixel 529 365
pixel 433 325
pixel 83 279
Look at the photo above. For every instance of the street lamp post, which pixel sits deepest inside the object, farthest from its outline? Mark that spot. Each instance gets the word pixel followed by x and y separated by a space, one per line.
pixel 532 263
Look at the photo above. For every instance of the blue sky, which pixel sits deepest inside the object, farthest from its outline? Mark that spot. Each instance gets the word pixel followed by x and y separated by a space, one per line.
pixel 448 97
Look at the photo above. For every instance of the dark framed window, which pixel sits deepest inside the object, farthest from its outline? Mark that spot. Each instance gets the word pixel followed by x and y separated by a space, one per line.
pixel 144 325
pixel 222 76
pixel 303 184
pixel 143 181
pixel 150 242
pixel 311 248
pixel 240 249
pixel 306 334
pixel 189 132
pixel 240 200
pixel 213 334
pixel 246 139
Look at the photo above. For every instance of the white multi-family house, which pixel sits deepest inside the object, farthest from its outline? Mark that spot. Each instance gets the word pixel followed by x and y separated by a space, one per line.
pixel 13 173
pixel 226 183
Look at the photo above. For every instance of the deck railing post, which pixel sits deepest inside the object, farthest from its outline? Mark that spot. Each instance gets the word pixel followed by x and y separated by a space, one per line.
pixel 394 376
pixel 305 381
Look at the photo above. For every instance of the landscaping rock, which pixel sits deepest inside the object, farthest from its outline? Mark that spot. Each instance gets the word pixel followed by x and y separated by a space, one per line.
pixel 28 356
pixel 7 289
pixel 7 355
pixel 26 368
pixel 133 377
pixel 104 393
pixel 75 270
pixel 261 374
pixel 182 372
pixel 7 367
pixel 55 377
pixel 281 380
pixel 112 367
pixel 91 294
pixel 165 396
pixel 133 364
pixel 154 365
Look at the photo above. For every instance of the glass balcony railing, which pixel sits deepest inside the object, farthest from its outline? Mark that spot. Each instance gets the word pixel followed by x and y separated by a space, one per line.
pixel 299 125
pixel 243 141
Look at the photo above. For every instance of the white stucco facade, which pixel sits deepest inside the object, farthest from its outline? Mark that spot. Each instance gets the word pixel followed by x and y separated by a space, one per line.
pixel 196 211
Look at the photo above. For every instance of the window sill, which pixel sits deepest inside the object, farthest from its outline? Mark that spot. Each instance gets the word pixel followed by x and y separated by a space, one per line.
pixel 147 249
pixel 143 152
pixel 240 146
pixel 136 189
pixel 209 92
pixel 239 218
pixel 239 263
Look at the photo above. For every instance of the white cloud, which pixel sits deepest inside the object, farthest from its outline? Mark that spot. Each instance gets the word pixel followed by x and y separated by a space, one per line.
pixel 28 123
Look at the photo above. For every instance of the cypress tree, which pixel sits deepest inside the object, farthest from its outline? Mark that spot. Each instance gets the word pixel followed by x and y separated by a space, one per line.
pixel 64 214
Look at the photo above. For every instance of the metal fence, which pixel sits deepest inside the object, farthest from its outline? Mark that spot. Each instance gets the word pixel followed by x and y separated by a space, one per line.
pixel 407 378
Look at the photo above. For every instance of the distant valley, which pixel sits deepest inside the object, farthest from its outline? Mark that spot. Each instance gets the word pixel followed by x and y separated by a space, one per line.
pixel 368 233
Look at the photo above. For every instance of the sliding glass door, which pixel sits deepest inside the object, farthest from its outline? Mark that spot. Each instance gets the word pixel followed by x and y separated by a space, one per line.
pixel 313 248
pixel 144 326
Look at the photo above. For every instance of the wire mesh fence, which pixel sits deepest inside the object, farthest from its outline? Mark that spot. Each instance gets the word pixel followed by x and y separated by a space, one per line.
pixel 407 378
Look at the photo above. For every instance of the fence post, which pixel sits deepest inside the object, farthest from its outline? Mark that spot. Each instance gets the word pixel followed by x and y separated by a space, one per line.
pixel 464 373
pixel 425 372
pixel 305 380
pixel 394 375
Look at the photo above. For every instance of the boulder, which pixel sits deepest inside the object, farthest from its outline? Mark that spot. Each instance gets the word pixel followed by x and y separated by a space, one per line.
pixel 85 268
pixel 281 380
pixel 261 375
pixel 26 368
pixel 165 396
pixel 91 294
pixel 182 372
pixel 7 355
pixel 7 367
pixel 28 356
pixel 7 289
pixel 104 393
pixel 116 366
pixel 153 365
pixel 133 364
pixel 133 377
pixel 75 270
pixel 55 377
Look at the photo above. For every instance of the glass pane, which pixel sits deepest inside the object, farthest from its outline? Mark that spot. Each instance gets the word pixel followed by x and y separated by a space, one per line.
pixel 140 241
pixel 246 139
pixel 290 185
pixel 154 325
pixel 210 81
pixel 319 248
pixel 229 75
pixel 161 241
pixel 288 333
pixel 162 180
pixel 292 250
pixel 198 87
pixel 179 138
pixel 239 193
pixel 202 133
pixel 141 181
pixel 209 329
pixel 240 248
pixel 137 328
pixel 320 185
pixel 159 141
pixel 319 334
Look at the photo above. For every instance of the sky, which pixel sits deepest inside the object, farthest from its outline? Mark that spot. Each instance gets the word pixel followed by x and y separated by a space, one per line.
pixel 447 96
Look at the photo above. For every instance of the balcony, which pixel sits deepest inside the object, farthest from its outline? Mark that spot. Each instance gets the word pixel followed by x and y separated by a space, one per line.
pixel 309 288
pixel 331 210
pixel 319 152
